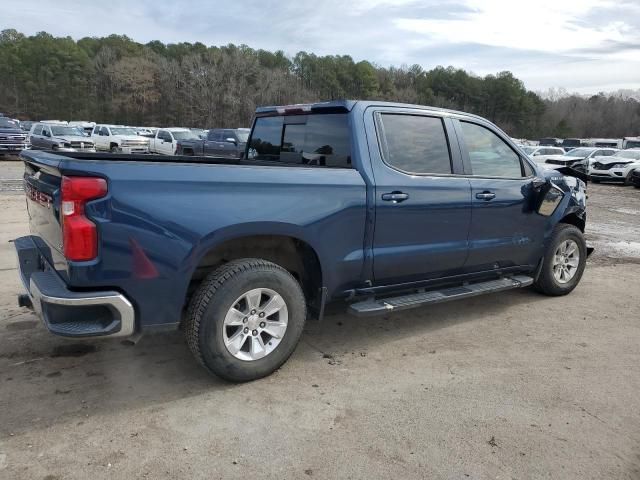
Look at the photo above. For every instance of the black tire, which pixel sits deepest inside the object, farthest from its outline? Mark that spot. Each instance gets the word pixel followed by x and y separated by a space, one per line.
pixel 636 185
pixel 213 299
pixel 595 180
pixel 114 149
pixel 546 282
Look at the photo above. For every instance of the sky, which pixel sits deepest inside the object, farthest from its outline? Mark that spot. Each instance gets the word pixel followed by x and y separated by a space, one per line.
pixel 585 46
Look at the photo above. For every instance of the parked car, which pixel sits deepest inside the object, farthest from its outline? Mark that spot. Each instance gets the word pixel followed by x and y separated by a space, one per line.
pixel 26 125
pixel 146 132
pixel 44 136
pixel 578 158
pixel 631 142
pixel 603 142
pixel 550 142
pixel 220 142
pixel 615 168
pixel 119 139
pixel 12 139
pixel 86 127
pixel 200 132
pixel 365 201
pixel 166 140
pixel 540 154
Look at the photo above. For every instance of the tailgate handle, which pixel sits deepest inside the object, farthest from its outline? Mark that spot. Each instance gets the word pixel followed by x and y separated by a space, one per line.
pixel 395 197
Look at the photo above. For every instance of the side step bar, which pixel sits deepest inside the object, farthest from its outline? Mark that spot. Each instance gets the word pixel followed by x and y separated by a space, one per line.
pixel 374 306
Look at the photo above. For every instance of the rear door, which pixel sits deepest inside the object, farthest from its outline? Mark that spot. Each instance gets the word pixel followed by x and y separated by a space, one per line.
pixel 422 200
pixel 505 228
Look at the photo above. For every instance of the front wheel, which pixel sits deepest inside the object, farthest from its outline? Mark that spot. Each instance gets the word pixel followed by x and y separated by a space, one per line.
pixel 245 319
pixel 564 261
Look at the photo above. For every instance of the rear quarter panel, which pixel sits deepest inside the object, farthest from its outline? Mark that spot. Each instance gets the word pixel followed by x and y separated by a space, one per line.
pixel 159 220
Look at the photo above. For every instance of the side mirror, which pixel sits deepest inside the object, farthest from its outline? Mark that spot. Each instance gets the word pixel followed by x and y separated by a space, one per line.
pixel 231 140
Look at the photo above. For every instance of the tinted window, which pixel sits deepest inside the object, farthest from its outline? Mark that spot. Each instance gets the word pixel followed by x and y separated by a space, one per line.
pixel 308 140
pixel 266 138
pixel 490 156
pixel 228 134
pixel 415 144
pixel 37 130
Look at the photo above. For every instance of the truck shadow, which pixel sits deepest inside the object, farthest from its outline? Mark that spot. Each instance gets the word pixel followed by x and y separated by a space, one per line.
pixel 47 379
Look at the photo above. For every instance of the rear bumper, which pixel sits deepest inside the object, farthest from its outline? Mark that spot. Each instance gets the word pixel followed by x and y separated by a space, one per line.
pixel 69 313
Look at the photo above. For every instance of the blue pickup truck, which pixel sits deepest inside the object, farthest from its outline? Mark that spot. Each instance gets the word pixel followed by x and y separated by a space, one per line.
pixel 385 206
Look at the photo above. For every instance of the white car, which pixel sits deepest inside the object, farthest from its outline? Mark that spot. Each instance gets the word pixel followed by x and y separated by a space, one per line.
pixel 166 140
pixel 578 158
pixel 540 154
pixel 119 139
pixel 616 168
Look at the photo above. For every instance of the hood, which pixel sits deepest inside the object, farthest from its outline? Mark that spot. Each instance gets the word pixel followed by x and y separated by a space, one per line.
pixel 566 158
pixel 73 138
pixel 11 131
pixel 132 137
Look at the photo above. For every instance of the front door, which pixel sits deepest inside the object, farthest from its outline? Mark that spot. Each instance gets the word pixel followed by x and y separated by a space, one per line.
pixel 423 209
pixel 505 229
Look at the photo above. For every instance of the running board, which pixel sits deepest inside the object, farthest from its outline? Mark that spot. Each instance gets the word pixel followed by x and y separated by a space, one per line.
pixel 374 306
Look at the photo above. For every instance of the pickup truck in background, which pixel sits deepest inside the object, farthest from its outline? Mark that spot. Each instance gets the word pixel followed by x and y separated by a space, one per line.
pixel 62 138
pixel 219 142
pixel 383 205
pixel 13 139
pixel 166 140
pixel 119 139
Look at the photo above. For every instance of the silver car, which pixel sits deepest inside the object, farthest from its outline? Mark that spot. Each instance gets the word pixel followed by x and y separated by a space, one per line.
pixel 62 138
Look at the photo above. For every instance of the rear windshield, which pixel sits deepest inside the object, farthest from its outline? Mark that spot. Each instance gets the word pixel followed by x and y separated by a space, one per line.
pixel 314 140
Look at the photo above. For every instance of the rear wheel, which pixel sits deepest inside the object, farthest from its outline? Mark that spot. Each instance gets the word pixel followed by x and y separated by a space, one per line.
pixel 564 261
pixel 245 319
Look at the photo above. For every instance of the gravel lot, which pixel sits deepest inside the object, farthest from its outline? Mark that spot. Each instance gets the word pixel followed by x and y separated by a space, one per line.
pixel 511 385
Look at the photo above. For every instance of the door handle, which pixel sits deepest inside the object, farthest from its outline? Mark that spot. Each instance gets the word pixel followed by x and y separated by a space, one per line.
pixel 485 196
pixel 395 197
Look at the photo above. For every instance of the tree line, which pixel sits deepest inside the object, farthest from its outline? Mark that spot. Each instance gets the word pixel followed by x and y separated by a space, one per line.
pixel 117 80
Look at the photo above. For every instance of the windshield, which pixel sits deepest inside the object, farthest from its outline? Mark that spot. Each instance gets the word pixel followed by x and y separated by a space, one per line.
pixel 60 131
pixel 632 154
pixel 123 131
pixel 243 136
pixel 8 123
pixel 185 135
pixel 579 152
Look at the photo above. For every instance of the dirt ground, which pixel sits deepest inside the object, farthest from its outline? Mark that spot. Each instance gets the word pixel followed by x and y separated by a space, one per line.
pixel 511 385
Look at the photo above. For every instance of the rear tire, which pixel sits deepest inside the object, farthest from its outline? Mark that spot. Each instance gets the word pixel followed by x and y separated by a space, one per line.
pixel 564 261
pixel 225 293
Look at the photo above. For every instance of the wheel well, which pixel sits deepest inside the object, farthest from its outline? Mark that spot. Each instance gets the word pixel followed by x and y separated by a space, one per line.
pixel 113 144
pixel 292 254
pixel 574 219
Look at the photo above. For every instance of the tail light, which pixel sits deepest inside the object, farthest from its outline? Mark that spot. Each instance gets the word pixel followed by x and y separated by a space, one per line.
pixel 79 234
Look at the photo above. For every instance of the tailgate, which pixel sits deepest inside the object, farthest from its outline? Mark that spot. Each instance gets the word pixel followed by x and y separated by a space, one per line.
pixel 42 180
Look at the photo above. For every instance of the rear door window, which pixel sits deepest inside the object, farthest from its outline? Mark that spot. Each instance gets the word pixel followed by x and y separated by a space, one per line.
pixel 415 143
pixel 313 140
pixel 490 156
